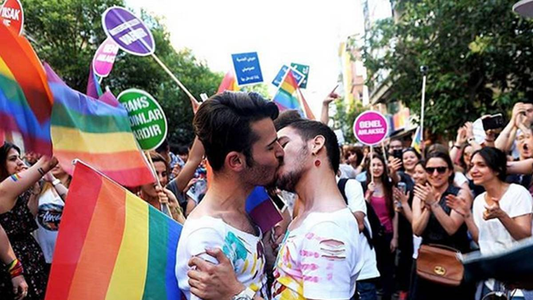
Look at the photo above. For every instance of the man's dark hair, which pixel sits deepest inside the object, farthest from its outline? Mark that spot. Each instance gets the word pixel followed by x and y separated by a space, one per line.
pixel 223 124
pixel 310 129
pixel 495 159
pixel 286 118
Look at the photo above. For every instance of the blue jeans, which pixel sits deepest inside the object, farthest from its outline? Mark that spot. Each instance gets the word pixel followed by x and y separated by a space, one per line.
pixel 366 289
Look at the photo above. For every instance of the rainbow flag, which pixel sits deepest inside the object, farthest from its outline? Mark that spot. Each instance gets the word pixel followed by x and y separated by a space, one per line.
pixel 285 98
pixel 25 98
pixel 229 83
pixel 417 141
pixel 97 133
pixel 112 245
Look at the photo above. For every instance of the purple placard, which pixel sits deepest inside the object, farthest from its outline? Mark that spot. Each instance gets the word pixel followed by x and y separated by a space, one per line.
pixel 128 31
pixel 105 57
pixel 370 128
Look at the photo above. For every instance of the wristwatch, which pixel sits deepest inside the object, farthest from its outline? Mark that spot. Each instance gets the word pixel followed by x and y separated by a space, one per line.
pixel 246 294
pixel 56 182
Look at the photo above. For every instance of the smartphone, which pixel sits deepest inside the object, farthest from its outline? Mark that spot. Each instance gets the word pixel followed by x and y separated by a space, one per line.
pixel 402 187
pixel 493 122
pixel 397 153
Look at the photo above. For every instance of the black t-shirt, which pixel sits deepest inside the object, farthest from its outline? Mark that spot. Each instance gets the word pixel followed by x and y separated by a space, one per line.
pixel 405 229
pixel 436 234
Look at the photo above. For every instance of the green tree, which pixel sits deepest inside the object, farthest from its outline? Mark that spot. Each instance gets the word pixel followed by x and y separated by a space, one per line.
pixel 66 34
pixel 479 58
pixel 345 116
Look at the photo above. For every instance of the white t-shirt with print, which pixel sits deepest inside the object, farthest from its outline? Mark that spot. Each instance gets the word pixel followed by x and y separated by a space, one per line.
pixel 320 259
pixel 244 250
pixel 48 218
pixel 356 202
pixel 493 236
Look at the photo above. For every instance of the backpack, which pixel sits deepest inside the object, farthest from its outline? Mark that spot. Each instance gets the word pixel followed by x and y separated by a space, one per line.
pixel 378 230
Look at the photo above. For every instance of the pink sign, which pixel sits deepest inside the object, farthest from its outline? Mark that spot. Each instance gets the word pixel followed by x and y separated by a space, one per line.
pixel 105 57
pixel 371 128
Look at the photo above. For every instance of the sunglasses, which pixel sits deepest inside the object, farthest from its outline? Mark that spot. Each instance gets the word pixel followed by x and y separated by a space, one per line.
pixel 440 170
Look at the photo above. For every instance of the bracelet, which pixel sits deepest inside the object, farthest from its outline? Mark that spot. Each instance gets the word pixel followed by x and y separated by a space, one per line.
pixel 458 147
pixel 41 171
pixel 463 215
pixel 15 268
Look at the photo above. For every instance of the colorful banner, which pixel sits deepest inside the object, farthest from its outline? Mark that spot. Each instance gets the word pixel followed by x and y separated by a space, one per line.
pixel 12 15
pixel 304 70
pixel 247 68
pixel 112 245
pixel 128 31
pixel 147 118
pixel 104 58
pixel 228 83
pixel 285 98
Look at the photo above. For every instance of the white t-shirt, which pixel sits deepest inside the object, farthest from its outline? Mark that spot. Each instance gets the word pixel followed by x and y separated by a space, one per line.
pixel 244 250
pixel 347 171
pixel 320 259
pixel 356 202
pixel 48 218
pixel 459 179
pixel 493 237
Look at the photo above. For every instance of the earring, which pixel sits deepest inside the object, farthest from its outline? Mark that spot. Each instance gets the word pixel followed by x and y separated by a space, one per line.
pixel 317 163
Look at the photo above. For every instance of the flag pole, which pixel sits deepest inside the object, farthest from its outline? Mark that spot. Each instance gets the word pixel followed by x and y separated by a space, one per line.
pixel 194 102
pixel 424 71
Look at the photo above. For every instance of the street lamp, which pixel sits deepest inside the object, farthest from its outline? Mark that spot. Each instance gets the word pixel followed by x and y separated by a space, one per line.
pixel 524 8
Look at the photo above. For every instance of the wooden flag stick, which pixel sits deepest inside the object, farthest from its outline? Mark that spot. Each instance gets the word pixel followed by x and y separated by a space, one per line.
pixel 194 102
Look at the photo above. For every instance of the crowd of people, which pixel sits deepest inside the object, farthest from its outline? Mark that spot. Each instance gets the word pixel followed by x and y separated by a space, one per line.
pixel 353 219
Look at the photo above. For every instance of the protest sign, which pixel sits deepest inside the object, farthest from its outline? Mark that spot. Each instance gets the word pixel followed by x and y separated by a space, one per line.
pixel 104 58
pixel 12 15
pixel 247 68
pixel 128 31
pixel 147 119
pixel 281 74
pixel 371 128
pixel 303 69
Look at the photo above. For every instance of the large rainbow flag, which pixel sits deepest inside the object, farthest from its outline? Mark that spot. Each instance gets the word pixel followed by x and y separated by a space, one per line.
pixel 112 245
pixel 285 98
pixel 25 99
pixel 97 133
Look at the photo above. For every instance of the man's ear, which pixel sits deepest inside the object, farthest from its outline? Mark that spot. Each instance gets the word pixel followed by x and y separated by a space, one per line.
pixel 317 143
pixel 235 161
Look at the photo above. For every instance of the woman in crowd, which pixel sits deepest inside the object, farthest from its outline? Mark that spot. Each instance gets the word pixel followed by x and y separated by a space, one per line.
pixel 16 195
pixel 501 216
pixel 379 195
pixel 49 209
pixel 156 195
pixel 436 223
pixel 403 204
pixel 14 266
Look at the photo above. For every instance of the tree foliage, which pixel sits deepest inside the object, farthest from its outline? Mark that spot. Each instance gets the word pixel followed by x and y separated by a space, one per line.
pixel 66 34
pixel 478 54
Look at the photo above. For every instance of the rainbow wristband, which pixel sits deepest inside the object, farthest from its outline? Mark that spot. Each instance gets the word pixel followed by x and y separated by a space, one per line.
pixel 15 268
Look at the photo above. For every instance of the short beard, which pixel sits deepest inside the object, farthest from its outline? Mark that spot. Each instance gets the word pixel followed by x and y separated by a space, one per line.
pixel 289 181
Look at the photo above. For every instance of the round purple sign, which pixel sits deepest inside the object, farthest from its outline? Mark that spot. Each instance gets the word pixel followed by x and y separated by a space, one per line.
pixel 128 31
pixel 370 128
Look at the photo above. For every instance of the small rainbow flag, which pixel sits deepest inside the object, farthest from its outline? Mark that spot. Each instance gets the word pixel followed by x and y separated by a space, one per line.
pixel 285 98
pixel 308 113
pixel 97 133
pixel 25 98
pixel 229 83
pixel 112 245
pixel 417 141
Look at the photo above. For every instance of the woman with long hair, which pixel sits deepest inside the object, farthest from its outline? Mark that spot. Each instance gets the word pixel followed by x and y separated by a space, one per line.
pixel 17 192
pixel 501 216
pixel 379 195
pixel 436 223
